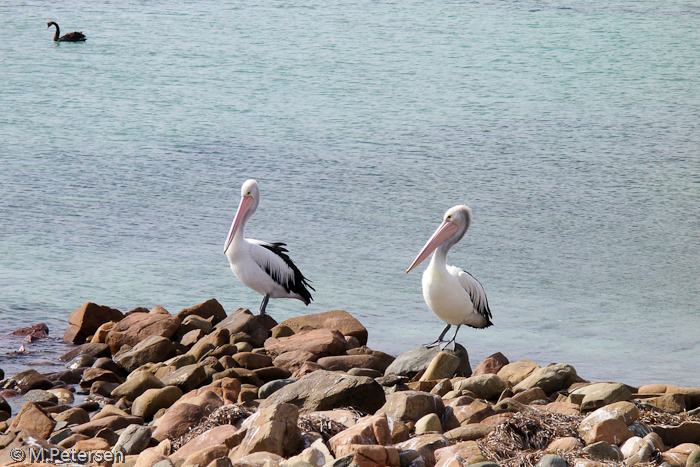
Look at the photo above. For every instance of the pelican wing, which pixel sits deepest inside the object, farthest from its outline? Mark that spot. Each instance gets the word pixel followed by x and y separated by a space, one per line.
pixel 273 258
pixel 476 292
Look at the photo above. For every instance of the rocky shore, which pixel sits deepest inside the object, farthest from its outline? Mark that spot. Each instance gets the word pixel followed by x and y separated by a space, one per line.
pixel 210 389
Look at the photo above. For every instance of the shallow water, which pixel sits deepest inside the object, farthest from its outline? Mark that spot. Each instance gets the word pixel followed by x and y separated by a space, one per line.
pixel 572 130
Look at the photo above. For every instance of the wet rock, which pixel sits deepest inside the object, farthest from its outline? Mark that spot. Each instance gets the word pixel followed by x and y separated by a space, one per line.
pixel 102 388
pixel 33 419
pixel 272 429
pixel 84 321
pixel 136 384
pixel 411 405
pixel 138 327
pixel 27 380
pixel 211 309
pixel 243 321
pixel 516 372
pixel 150 349
pixel 552 460
pixel 373 430
pixel 177 421
pixel 322 342
pixel 91 350
pixel 186 378
pixel 33 332
pixel 417 360
pixel 81 361
pixel 154 399
pixel 40 395
pixel 133 440
pixel 487 386
pixel 326 390
pixel 550 378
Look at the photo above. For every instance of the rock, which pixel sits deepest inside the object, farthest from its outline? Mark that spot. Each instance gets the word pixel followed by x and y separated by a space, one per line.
pixel 177 421
pixel 150 458
pixel 222 434
pixel 243 321
pixel 552 460
pixel 373 455
pixel 315 455
pixel 550 378
pixel 625 411
pixel 152 400
pixel 487 386
pixel 72 416
pixel 106 363
pixel 372 430
pixel 604 451
pixel 27 380
pixel 137 383
pixel 5 406
pixel 211 309
pixel 208 343
pixel 63 396
pixel 272 429
pixel 417 360
pixel 469 432
pixel 613 431
pixel 601 394
pixel 84 321
pixel 92 375
pixel 679 455
pixel 686 432
pixel 294 359
pixel 491 365
pixel 252 360
pixel 89 349
pixel 25 441
pixel 34 420
pixel 321 342
pixel 568 443
pixel 100 336
pixel 207 455
pixel 191 338
pixel 41 396
pixel 674 403
pixel 94 444
pixel 150 349
pixel 348 362
pixel 326 390
pixel 632 446
pixel 530 395
pixel 444 365
pixel 111 422
pixel 459 454
pixel 694 459
pixel 516 372
pixel 227 389
pixel 338 320
pixel 133 440
pixel 207 400
pixel 194 322
pixel 411 405
pixel 138 327
pixel 690 395
pixel 81 361
pixel 474 412
pixel 186 378
pixel 33 332
pixel 273 386
pixel 426 445
pixel 259 459
pixel 428 424
pixel 564 408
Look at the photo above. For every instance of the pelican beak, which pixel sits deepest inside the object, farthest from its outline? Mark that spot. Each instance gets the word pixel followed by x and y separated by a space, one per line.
pixel 446 230
pixel 243 207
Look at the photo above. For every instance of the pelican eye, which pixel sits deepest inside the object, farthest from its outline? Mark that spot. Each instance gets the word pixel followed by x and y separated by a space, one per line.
pixel 248 194
pixel 449 217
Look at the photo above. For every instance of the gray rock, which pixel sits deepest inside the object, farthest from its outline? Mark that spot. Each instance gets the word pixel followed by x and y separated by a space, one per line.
pixel 340 462
pixel 95 350
pixel 603 450
pixel 40 395
pixel 365 372
pixel 150 350
pixel 134 439
pixel 416 360
pixel 550 378
pixel 152 400
pixel 59 435
pixel 488 386
pixel 5 406
pixel 136 384
pixel 552 460
pixel 81 361
pixel 186 378
pixel 274 386
pixel 327 390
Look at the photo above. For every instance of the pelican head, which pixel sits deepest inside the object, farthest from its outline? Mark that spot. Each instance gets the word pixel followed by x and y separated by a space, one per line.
pixel 250 196
pixel 454 225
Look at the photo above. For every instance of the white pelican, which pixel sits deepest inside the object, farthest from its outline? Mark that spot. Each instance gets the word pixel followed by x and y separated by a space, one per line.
pixel 264 267
pixel 453 294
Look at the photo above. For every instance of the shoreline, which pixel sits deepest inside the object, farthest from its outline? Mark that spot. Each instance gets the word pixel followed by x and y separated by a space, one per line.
pixel 165 378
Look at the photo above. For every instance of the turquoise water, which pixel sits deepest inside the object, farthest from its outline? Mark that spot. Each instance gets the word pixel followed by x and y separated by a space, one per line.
pixel 572 129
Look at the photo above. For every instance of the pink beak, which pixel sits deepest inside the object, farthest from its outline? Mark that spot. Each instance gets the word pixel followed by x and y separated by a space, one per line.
pixel 445 231
pixel 246 203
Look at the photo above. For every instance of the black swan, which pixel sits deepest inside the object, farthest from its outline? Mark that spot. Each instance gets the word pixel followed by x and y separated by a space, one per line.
pixel 75 36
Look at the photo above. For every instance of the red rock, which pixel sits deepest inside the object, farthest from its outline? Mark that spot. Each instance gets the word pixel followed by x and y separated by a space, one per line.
pixel 252 360
pixel 222 434
pixel 373 430
pixel 177 421
pixel 32 333
pixel 33 419
pixel 346 362
pixel 338 320
pixel 492 364
pixel 210 308
pixel 613 431
pixel 321 341
pixel 294 359
pixel 139 326
pixel 84 321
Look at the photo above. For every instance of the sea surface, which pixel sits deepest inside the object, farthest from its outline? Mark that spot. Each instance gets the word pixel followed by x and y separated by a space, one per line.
pixel 571 128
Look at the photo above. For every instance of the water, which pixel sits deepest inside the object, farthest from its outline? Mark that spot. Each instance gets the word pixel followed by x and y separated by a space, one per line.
pixel 571 128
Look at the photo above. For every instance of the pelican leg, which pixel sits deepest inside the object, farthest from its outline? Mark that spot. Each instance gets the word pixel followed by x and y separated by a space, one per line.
pixel 452 341
pixel 439 339
pixel 263 305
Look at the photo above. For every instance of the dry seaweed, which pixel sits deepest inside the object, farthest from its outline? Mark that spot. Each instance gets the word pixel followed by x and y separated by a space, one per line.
pixel 225 415
pixel 651 415
pixel 321 424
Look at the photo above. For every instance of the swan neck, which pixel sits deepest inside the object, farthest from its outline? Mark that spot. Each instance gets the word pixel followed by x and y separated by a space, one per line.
pixel 58 32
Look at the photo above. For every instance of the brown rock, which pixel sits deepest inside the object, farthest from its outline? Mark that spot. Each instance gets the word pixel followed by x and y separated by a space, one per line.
pixel 517 371
pixel 338 320
pixel 383 359
pixel 139 326
pixel 151 349
pixel 491 365
pixel 411 405
pixel 306 368
pixel 686 432
pixel 228 435
pixel 322 342
pixel 564 408
pixel 469 432
pixel 473 413
pixel 252 360
pixel 209 309
pixel 207 455
pixel 149 458
pixel 271 373
pixel 272 429
pixel 488 386
pixel 33 419
pixel 530 395
pixel 294 359
pixel 71 440
pixel 613 431
pixel 226 388
pixel 92 444
pixel 91 375
pixel 347 362
pixel 627 412
pixel 550 378
pixel 84 321
pixel 27 380
pixel 72 416
pixel 444 365
pixel 177 421
pixel 373 430
pixel 371 455
pixel 259 459
pixel 690 395
pixel 674 403
pixel 100 336
pixel 466 450
pixel 565 444
pixel 243 321
pixel 426 445
pixel 112 422
pixel 678 456
pixel 95 350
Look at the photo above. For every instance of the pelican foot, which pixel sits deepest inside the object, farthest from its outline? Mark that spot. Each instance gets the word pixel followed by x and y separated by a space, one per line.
pixel 433 344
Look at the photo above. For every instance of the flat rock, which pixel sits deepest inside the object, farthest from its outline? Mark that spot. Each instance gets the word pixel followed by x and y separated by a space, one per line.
pixel 93 350
pixel 326 390
pixel 138 327
pixel 338 320
pixel 487 386
pixel 416 360
pixel 550 378
pixel 601 394
pixel 322 342
pixel 469 432
pixel 150 350
pixel 84 321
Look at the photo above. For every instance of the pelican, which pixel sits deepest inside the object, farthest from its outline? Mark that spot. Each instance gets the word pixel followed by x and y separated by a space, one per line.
pixel 453 294
pixel 262 266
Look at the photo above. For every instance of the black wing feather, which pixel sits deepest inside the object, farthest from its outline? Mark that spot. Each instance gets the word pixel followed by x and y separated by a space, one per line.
pixel 297 283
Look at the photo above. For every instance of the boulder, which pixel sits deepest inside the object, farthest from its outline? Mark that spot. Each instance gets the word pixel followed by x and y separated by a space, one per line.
pixel 428 424
pixel 136 384
pixel 91 375
pixel 550 378
pixel 338 320
pixel 227 389
pixel 222 434
pixel 252 360
pixel 34 420
pixel 624 411
pixel 177 421
pixel 601 394
pixel 93 350
pixel 84 321
pixel 72 416
pixel 517 371
pixel 138 327
pixel 604 451
pixel 27 380
pixel 567 443
pixel 613 431
pixel 469 432
pixel 552 460
pixel 491 364
pixel 152 400
pixel 326 390
pixel 417 360
pixel 372 430
pixel 23 440
pixel 133 440
pixel 348 362
pixel 211 309
pixel 463 453
pixel 150 350
pixel 207 455
pixel 444 365
pixel 243 321
pixel 488 386
pixel 686 432
pixel 411 405
pixel 271 429
pixel 321 342
pixel 678 456
pixel 294 359
pixel 186 378
pixel 474 412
